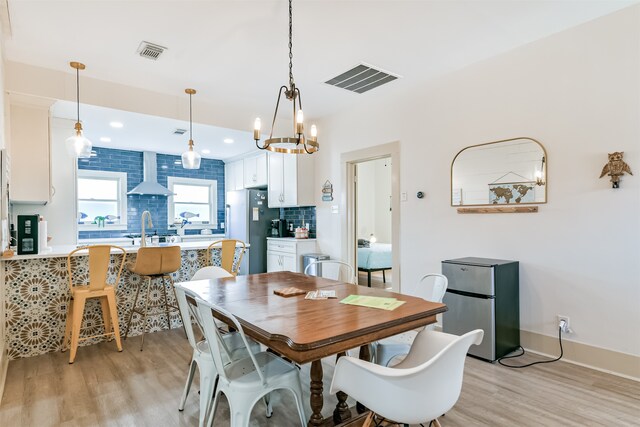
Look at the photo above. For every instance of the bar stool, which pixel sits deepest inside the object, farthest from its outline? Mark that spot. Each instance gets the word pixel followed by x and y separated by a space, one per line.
pixel 154 263
pixel 228 248
pixel 99 261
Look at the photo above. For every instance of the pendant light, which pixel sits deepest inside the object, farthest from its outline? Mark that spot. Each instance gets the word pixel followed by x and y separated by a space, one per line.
pixel 78 145
pixel 299 143
pixel 191 158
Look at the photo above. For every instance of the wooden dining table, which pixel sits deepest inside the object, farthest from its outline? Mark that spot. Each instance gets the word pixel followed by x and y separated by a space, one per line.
pixel 308 330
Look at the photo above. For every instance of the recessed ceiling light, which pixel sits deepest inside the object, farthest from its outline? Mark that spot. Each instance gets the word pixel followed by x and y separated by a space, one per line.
pixel 116 125
pixel 205 151
pixel 105 139
pixel 228 141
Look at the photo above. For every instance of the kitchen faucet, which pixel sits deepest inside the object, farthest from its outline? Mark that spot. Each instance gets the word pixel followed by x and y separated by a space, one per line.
pixel 143 240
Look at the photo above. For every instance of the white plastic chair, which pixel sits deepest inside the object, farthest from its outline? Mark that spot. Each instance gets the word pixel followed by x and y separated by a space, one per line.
pixel 386 350
pixel 247 380
pixel 201 354
pixel 425 385
pixel 211 272
pixel 333 269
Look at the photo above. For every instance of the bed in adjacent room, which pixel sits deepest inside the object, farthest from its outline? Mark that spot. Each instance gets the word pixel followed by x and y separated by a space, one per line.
pixel 376 257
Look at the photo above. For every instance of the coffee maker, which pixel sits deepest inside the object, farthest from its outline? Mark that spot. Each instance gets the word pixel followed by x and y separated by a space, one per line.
pixel 279 228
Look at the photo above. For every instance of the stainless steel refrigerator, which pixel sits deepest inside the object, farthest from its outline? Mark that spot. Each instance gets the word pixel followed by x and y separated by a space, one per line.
pixel 248 218
pixel 483 294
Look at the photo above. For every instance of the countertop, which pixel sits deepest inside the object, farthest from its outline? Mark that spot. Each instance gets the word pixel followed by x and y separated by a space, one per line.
pixel 64 250
pixel 291 239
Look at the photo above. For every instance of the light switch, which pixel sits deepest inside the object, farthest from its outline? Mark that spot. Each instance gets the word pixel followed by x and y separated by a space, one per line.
pixel 403 197
pixel 334 209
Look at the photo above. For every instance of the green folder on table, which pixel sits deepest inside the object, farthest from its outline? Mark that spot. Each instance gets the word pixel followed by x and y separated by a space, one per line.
pixel 373 302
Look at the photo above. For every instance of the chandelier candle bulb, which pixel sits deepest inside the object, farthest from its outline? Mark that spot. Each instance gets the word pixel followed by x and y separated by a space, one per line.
pixel 256 129
pixel 299 122
pixel 314 131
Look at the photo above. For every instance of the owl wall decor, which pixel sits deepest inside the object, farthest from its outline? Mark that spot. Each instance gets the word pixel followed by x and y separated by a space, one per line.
pixel 615 168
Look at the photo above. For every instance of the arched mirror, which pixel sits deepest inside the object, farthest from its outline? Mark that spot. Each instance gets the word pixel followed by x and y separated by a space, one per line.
pixel 508 172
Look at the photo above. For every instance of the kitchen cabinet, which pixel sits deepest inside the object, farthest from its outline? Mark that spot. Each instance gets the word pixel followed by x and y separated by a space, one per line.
pixel 234 175
pixel 255 171
pixel 30 150
pixel 285 254
pixel 291 180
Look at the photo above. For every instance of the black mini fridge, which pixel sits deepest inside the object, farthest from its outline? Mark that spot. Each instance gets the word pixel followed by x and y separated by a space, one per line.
pixel 483 294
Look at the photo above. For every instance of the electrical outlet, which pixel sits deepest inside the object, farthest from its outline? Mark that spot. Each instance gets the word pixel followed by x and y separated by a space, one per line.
pixel 567 323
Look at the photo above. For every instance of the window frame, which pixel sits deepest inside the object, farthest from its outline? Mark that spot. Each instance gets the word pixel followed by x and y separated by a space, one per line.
pixel 121 178
pixel 213 201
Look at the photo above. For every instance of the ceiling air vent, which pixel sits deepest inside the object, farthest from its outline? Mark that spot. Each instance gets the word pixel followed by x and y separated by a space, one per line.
pixel 362 78
pixel 150 50
pixel 179 131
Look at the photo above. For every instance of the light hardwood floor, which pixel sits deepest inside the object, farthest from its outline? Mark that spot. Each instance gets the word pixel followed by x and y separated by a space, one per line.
pixel 376 279
pixel 133 388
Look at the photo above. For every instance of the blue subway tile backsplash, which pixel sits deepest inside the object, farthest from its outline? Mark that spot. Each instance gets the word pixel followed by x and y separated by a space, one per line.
pixel 300 216
pixel 130 162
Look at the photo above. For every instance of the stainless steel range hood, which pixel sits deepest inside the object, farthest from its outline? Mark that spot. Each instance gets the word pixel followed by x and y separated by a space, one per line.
pixel 149 185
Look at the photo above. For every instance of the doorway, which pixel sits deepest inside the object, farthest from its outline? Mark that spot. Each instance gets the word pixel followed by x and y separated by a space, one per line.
pixel 371 202
pixel 373 222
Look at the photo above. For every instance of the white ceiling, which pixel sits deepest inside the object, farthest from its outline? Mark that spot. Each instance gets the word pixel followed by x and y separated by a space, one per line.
pixel 235 52
pixel 142 132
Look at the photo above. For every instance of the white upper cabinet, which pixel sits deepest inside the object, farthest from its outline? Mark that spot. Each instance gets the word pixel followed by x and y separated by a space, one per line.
pixel 291 180
pixel 30 151
pixel 275 186
pixel 234 175
pixel 255 171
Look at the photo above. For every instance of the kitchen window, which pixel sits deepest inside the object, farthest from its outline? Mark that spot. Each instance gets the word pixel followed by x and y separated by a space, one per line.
pixel 102 200
pixel 194 203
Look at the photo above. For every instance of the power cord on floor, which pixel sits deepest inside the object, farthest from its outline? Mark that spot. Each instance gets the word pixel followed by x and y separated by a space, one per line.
pixel 534 363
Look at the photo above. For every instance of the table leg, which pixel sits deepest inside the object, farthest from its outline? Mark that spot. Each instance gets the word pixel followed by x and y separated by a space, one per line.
pixel 365 354
pixel 316 394
pixel 342 412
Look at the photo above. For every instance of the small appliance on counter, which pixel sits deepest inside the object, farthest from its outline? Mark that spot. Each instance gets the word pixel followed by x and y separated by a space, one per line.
pixel 279 228
pixel 28 234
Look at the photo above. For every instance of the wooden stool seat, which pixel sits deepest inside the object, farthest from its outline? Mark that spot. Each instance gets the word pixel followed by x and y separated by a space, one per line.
pixel 99 261
pixel 154 263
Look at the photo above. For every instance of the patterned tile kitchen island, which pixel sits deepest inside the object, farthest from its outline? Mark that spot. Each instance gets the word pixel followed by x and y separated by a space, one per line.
pixel 37 297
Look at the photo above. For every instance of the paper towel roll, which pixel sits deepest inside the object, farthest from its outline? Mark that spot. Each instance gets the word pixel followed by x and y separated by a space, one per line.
pixel 42 236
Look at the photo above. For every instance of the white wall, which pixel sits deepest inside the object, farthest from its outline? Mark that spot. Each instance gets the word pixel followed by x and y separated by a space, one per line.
pixel 374 191
pixel 578 92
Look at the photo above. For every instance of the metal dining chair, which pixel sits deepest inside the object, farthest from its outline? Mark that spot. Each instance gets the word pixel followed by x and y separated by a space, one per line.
pixel 231 344
pixel 228 254
pixel 244 382
pixel 388 349
pixel 331 269
pixel 97 287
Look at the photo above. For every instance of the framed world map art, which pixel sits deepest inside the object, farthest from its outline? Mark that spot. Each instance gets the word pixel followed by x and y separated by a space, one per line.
pixel 512 193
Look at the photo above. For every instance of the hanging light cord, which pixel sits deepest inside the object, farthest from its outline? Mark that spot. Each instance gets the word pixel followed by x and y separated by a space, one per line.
pixel 290 45
pixel 190 120
pixel 78 92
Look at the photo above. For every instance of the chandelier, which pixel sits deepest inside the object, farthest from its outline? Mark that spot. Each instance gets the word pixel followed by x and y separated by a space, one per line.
pixel 78 145
pixel 299 143
pixel 191 158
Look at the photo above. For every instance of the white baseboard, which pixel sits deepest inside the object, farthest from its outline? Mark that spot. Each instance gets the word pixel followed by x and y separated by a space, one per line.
pixel 601 359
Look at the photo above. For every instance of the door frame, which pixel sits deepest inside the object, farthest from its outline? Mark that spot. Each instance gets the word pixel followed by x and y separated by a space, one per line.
pixel 348 200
